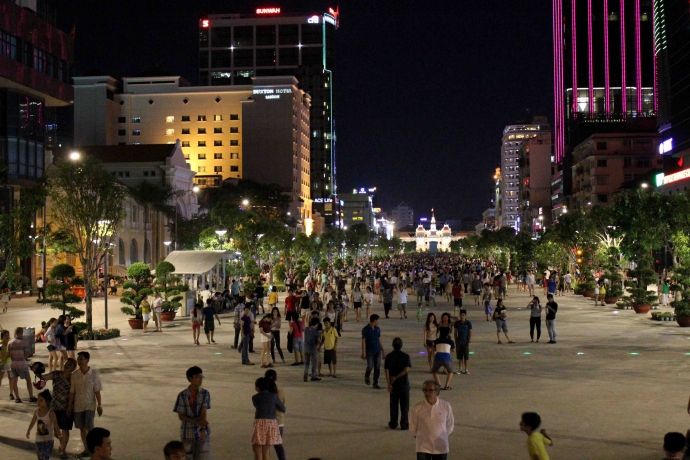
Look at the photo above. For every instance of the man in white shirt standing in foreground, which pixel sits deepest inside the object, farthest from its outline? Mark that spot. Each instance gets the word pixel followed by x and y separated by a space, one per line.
pixel 431 422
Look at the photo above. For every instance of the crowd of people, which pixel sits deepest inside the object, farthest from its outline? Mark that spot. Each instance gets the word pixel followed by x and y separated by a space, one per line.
pixel 314 316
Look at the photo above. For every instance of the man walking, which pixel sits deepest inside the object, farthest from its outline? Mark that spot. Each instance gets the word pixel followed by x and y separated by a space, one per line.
pixel 191 407
pixel 41 290
pixel 372 350
pixel 157 307
pixel 84 396
pixel 209 312
pixel 431 422
pixel 551 310
pixel 329 341
pixel 463 337
pixel 18 351
pixel 312 345
pixel 247 330
pixel 530 282
pixel 397 364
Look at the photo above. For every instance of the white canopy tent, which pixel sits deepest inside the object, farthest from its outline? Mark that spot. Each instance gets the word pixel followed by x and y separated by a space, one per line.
pixel 201 268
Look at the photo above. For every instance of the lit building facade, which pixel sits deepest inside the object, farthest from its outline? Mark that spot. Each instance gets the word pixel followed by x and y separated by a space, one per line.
pixel 402 216
pixel 258 131
pixel 357 208
pixel 508 201
pixel 605 162
pixel 233 48
pixel 601 47
pixel 432 240
pixel 534 158
pixel 35 68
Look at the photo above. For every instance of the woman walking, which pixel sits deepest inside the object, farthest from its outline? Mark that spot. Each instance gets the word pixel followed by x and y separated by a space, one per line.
pixel 430 334
pixel 280 415
pixel 368 300
pixel 71 338
pixel 61 332
pixel 275 332
pixel 535 318
pixel 357 298
pixel 486 299
pixel 266 432
pixel 5 299
pixel 297 332
pixel 53 359
pixel 266 339
pixel 61 386
pixel 197 319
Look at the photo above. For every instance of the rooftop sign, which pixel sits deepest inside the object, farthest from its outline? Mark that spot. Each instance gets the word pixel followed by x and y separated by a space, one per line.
pixel 268 11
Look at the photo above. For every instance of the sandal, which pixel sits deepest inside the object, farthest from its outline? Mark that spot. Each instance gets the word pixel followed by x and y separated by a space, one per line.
pixel 510 341
pixel 499 342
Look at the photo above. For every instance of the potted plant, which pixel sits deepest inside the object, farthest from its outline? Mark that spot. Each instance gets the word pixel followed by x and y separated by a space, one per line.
pixel 681 307
pixel 640 299
pixel 136 289
pixel 615 289
pixel 169 288
pixel 587 288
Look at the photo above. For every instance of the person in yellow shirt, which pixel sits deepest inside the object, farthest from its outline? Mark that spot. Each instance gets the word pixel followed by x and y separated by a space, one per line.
pixel 536 440
pixel 329 340
pixel 272 298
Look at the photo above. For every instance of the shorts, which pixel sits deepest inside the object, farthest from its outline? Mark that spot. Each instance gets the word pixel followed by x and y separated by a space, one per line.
pixel 198 450
pixel 146 316
pixel 84 419
pixel 265 339
pixel 501 326
pixel 463 351
pixel 429 343
pixel 4 367
pixel 51 347
pixel 329 357
pixel 502 289
pixel 457 302
pixel 439 364
pixel 298 344
pixel 64 422
pixel 196 326
pixel 402 307
pixel 22 373
pixel 476 292
pixel 357 305
pixel 209 326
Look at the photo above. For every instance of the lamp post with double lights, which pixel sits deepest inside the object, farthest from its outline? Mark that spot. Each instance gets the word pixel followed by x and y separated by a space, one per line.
pixel 73 156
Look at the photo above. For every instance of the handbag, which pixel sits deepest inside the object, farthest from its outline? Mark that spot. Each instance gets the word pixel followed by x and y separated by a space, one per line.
pixel 289 342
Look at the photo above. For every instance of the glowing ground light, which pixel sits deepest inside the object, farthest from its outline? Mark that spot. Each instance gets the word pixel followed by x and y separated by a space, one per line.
pixel 118 353
pixel 526 352
pixel 422 353
pixel 580 353
pixel 471 352
pixel 124 339
pixel 687 354
pixel 615 312
pixel 217 353
pixel 634 353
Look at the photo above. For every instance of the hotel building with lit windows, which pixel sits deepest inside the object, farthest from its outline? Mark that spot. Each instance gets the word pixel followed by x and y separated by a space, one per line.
pixel 508 200
pixel 258 131
pixel 233 48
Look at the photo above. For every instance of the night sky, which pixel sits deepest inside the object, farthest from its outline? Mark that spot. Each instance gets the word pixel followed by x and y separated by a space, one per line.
pixel 422 89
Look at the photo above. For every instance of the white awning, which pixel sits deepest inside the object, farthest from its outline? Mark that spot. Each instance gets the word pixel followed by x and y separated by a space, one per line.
pixel 197 262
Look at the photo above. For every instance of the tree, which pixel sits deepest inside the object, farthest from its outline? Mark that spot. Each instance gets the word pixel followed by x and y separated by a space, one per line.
pixel 136 291
pixel 58 289
pixel 168 286
pixel 356 236
pixel 89 202
pixel 17 235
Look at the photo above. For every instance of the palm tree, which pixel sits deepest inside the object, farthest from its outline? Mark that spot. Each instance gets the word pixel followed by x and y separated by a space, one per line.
pixel 154 198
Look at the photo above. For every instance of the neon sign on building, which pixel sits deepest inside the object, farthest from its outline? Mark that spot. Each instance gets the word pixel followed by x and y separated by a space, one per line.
pixel 268 11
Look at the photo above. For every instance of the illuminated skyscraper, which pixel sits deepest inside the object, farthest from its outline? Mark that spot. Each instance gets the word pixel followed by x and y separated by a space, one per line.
pixel 601 47
pixel 234 48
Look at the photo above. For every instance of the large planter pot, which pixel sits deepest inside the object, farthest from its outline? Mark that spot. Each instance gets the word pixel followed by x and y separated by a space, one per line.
pixel 610 300
pixel 136 323
pixel 588 294
pixel 642 309
pixel 683 321
pixel 168 315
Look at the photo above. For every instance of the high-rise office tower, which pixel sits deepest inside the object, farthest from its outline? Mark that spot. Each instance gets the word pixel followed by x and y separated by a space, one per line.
pixel 514 136
pixel 604 68
pixel 233 48
pixel 672 40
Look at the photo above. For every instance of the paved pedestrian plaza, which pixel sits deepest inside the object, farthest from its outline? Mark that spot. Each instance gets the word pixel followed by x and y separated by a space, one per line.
pixel 611 387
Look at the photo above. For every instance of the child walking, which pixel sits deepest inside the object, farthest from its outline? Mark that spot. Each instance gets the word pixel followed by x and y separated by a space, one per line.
pixel 46 426
pixel 266 432
pixel 536 440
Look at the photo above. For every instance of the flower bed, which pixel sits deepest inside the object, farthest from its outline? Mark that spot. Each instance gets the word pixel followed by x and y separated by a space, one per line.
pixel 99 334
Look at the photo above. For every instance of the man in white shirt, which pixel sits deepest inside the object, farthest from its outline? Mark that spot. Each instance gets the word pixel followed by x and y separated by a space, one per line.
pixel 157 307
pixel 84 394
pixel 432 422
pixel 41 291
